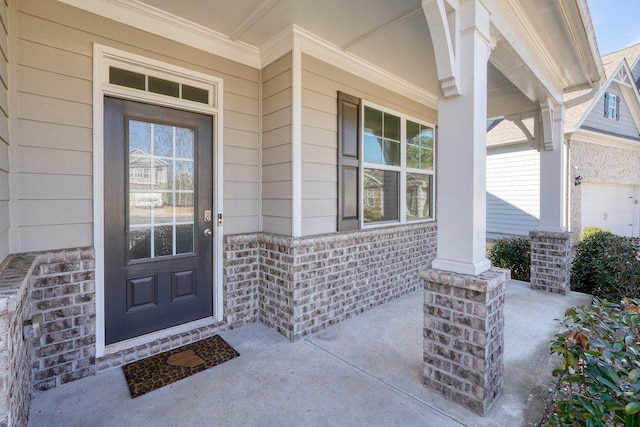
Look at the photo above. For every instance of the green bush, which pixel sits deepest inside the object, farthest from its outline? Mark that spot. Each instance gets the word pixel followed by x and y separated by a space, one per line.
pixel 588 231
pixel 599 381
pixel 606 266
pixel 513 253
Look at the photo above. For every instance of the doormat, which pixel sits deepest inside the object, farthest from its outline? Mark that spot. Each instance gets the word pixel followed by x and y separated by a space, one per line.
pixel 166 368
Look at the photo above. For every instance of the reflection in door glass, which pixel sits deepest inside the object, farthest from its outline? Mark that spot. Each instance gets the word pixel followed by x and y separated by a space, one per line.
pixel 161 190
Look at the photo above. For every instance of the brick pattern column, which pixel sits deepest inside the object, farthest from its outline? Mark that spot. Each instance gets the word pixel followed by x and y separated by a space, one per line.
pixel 464 336
pixel 15 351
pixel 550 261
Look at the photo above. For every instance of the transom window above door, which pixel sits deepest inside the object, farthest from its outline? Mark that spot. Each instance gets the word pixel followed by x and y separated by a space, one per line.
pixel 142 79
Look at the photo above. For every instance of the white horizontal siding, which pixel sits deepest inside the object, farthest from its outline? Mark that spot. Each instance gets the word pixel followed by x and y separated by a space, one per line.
pixel 47 186
pixel 44 237
pixel 276 146
pixel 5 168
pixel 55 212
pixel 597 120
pixel 55 49
pixel 320 85
pixel 513 190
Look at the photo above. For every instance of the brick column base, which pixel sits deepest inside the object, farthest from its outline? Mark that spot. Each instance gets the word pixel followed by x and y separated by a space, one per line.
pixel 464 336
pixel 550 261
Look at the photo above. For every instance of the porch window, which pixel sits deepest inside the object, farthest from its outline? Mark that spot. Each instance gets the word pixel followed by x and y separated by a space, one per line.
pixel 397 167
pixel 385 166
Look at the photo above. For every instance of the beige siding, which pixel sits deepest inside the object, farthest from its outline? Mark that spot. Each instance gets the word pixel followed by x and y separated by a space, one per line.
pixel 5 219
pixel 55 48
pixel 276 146
pixel 321 83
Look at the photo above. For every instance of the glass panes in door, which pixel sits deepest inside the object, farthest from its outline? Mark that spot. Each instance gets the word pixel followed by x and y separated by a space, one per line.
pixel 160 188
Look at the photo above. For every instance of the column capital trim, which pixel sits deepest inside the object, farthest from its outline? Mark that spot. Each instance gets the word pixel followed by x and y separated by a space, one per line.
pixel 473 269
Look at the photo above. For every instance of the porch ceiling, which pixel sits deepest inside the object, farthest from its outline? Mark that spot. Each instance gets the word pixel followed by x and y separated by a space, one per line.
pixel 394 36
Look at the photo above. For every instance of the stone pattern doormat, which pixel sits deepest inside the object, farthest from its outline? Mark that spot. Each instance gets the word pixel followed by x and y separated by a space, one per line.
pixel 166 368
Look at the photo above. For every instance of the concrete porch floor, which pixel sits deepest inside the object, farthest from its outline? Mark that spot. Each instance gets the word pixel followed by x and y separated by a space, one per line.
pixel 363 371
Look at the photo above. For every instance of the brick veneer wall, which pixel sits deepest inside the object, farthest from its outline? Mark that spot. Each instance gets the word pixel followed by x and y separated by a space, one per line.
pixel 15 352
pixel 241 279
pixel 309 283
pixel 296 286
pixel 63 292
pixel 464 336
pixel 551 261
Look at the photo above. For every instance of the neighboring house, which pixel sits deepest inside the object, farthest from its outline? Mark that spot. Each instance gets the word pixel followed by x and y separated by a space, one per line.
pixel 281 166
pixel 603 160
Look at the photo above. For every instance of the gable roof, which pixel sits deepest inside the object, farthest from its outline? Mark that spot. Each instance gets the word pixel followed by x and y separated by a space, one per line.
pixel 507 132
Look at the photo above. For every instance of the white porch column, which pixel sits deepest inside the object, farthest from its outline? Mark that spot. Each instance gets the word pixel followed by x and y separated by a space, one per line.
pixel 553 173
pixel 550 243
pixel 462 147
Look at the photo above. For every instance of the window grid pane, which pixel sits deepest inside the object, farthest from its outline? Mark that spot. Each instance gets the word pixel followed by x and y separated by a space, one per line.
pixel 381 138
pixel 381 196
pixel 161 191
pixel 418 196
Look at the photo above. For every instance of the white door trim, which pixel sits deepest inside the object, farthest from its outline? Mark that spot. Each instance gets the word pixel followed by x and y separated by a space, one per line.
pixel 102 57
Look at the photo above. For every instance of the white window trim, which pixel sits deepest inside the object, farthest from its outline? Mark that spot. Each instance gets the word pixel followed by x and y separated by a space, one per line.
pixel 615 98
pixel 103 57
pixel 402 169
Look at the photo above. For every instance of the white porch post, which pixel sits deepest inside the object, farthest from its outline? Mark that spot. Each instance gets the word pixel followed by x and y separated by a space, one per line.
pixel 462 146
pixel 550 243
pixel 553 176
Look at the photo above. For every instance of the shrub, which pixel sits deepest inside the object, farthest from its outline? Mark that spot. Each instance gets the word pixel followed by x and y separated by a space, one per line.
pixel 606 266
pixel 588 231
pixel 599 381
pixel 513 253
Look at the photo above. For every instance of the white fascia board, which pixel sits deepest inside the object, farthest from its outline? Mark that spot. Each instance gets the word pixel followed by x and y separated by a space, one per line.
pixel 631 95
pixel 278 46
pixel 593 137
pixel 172 27
pixel 508 142
pixel 510 19
pixel 624 67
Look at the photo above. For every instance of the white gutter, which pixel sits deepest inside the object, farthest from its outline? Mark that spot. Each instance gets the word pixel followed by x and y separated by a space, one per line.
pixel 583 98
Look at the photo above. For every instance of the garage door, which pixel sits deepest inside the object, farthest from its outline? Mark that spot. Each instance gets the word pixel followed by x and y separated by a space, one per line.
pixel 609 207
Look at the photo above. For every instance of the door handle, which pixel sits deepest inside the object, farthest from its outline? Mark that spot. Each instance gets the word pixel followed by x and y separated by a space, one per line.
pixel 208 232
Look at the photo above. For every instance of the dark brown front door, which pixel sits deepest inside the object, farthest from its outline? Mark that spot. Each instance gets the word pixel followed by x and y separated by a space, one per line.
pixel 158 202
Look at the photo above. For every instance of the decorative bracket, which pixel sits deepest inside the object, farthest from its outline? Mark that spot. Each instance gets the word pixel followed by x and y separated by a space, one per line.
pixel 530 139
pixel 532 135
pixel 546 114
pixel 443 19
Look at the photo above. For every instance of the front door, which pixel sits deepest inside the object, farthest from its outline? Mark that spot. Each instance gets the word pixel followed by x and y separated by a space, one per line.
pixel 158 201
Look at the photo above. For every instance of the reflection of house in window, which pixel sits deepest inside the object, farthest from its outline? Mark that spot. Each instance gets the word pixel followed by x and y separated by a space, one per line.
pixel 373 202
pixel 370 195
pixel 141 165
pixel 418 186
pixel 148 177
